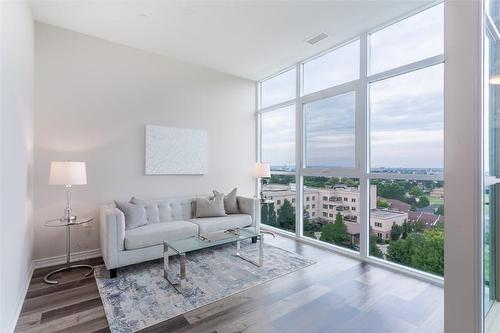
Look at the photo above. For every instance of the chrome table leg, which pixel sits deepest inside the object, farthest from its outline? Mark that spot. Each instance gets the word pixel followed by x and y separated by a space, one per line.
pixel 68 265
pixel 258 263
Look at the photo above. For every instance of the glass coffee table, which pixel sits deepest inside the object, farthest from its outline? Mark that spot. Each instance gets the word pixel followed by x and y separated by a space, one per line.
pixel 182 246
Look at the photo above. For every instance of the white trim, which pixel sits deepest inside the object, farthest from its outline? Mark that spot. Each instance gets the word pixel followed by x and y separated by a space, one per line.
pixel 61 259
pixel 299 151
pixel 12 322
pixel 405 69
pixel 426 277
pixel 340 89
pixel 277 106
pixel 404 176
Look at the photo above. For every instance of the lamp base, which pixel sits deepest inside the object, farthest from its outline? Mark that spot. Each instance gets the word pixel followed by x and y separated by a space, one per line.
pixel 48 280
pixel 71 218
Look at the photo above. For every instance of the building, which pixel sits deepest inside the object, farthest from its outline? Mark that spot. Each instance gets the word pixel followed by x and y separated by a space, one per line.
pixel 323 204
pixel 438 192
pixel 382 220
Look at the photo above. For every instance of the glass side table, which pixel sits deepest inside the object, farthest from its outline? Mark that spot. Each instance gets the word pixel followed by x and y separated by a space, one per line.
pixel 68 223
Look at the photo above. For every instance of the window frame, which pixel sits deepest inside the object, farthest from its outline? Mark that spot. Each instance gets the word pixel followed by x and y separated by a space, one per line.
pixel 361 170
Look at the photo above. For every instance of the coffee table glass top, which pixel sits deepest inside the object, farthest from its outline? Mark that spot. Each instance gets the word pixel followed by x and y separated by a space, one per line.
pixel 198 243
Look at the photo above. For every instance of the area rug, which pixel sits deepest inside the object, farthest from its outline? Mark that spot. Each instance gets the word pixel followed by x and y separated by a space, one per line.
pixel 140 296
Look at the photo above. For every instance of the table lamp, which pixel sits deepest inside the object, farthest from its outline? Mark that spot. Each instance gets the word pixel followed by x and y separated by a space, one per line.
pixel 68 173
pixel 261 170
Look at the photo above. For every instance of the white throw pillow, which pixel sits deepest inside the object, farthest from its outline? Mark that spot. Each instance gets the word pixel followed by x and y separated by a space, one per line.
pixel 230 202
pixel 210 207
pixel 135 215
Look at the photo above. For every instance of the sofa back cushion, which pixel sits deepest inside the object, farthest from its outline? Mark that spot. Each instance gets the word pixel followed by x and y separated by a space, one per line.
pixel 165 210
pixel 210 207
pixel 135 214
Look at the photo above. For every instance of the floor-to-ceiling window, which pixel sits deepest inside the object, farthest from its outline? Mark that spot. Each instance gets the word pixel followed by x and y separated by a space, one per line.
pixel 354 137
pixel 491 179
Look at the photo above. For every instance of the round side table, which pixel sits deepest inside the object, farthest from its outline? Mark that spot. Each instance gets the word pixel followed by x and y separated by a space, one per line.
pixel 68 223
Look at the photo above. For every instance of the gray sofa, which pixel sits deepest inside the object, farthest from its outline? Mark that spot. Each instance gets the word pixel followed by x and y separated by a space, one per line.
pixel 168 219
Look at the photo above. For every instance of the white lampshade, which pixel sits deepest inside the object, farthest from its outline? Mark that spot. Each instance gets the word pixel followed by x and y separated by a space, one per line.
pixel 261 170
pixel 67 173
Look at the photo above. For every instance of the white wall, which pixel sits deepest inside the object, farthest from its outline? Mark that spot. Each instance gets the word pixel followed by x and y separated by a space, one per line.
pixel 93 99
pixel 462 159
pixel 17 47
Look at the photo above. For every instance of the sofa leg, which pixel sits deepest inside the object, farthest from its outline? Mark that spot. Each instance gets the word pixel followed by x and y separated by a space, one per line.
pixel 254 240
pixel 112 273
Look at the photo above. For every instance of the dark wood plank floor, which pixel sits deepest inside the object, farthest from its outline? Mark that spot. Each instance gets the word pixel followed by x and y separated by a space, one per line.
pixel 338 294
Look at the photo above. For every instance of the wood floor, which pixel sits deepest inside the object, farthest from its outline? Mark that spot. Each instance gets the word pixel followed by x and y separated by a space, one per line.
pixel 338 294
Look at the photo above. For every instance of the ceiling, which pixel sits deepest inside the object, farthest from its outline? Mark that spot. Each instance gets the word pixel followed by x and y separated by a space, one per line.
pixel 249 39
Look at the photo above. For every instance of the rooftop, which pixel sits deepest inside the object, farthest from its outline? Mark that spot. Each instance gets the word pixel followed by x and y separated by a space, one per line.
pixel 386 214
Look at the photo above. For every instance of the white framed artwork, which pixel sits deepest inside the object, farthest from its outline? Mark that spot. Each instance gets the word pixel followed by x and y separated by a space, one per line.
pixel 176 151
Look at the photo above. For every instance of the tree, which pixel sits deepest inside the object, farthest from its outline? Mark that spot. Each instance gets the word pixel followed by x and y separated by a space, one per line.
pixel 396 231
pixel 416 191
pixel 423 201
pixel 264 214
pixel 335 233
pixel 440 210
pixel 428 252
pixel 381 203
pixel 420 250
pixel 286 216
pixel 392 191
pixel 418 226
pixel 406 229
pixel 374 250
pixel 399 252
pixel 332 181
pixel 272 215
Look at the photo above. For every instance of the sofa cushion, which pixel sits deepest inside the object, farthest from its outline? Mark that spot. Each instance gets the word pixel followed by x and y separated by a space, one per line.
pixel 135 215
pixel 210 207
pixel 155 234
pixel 230 201
pixel 214 224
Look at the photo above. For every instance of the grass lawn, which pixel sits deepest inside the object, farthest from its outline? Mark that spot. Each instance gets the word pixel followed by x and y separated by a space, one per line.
pixel 435 201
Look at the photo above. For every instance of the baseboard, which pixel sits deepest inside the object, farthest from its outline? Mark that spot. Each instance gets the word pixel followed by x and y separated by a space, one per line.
pixel 11 323
pixel 58 260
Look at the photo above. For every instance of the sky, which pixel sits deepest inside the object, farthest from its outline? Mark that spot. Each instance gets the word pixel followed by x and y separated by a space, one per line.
pixel 406 111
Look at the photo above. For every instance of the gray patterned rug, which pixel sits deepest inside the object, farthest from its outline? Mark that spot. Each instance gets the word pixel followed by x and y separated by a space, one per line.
pixel 140 296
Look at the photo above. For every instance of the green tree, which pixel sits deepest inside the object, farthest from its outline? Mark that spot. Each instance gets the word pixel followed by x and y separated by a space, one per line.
pixel 272 215
pixel 286 216
pixel 396 231
pixel 440 210
pixel 381 203
pixel 418 226
pixel 332 181
pixel 416 191
pixel 264 214
pixel 280 179
pixel 420 250
pixel 406 229
pixel 374 250
pixel 423 201
pixel 399 252
pixel 392 191
pixel 335 233
pixel 428 252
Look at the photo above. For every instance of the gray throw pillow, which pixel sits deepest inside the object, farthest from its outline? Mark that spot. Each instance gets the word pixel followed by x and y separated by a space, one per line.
pixel 135 215
pixel 210 207
pixel 230 202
